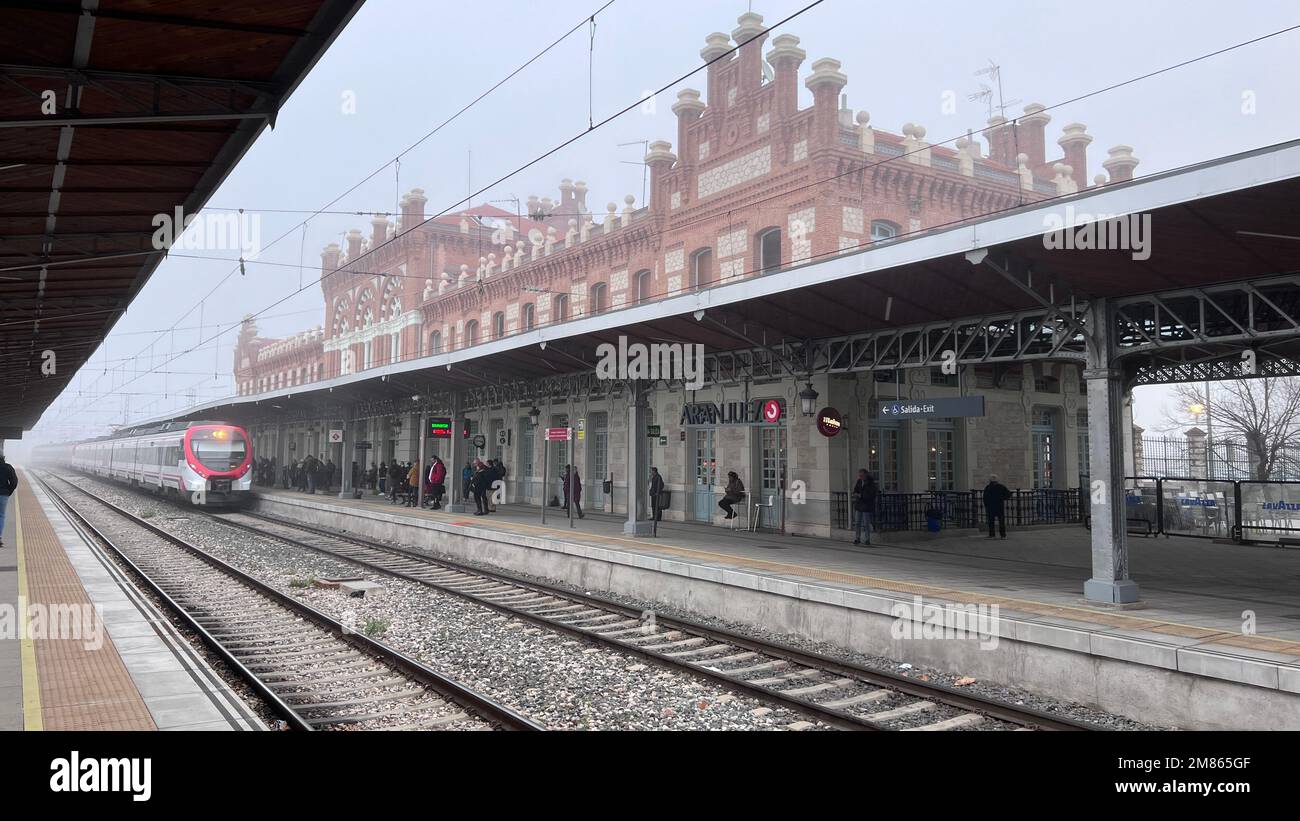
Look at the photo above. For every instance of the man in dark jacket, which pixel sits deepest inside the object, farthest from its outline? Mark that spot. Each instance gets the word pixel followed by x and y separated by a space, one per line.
pixel 8 484
pixel 995 497
pixel 865 492
pixel 573 488
pixel 656 493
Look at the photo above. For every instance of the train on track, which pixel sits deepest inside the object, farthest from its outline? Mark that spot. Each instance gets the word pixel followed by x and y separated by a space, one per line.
pixel 208 463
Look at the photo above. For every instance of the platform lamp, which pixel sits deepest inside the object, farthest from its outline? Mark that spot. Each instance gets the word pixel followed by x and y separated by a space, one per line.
pixel 534 416
pixel 808 400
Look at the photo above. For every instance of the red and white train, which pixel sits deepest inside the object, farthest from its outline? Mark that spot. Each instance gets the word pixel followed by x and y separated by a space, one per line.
pixel 210 463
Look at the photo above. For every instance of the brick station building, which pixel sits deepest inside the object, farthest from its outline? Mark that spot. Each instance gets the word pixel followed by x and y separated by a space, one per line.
pixel 753 182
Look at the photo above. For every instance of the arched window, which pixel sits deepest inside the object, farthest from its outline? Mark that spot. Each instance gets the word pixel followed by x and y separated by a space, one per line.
pixel 528 319
pixel 435 342
pixel 883 229
pixel 642 286
pixel 560 308
pixel 767 250
pixel 471 332
pixel 599 298
pixel 498 325
pixel 701 267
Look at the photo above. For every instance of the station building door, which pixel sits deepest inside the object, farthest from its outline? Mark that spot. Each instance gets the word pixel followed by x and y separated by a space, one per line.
pixel 522 473
pixel 769 487
pixel 704 474
pixel 593 492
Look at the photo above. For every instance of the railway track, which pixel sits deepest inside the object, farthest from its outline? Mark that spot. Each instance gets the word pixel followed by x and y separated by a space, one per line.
pixel 312 671
pixel 839 693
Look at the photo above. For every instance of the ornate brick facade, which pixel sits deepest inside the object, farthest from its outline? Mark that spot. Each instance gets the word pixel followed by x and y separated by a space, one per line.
pixel 755 183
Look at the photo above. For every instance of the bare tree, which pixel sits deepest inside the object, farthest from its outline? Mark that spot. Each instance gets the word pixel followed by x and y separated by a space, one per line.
pixel 1263 414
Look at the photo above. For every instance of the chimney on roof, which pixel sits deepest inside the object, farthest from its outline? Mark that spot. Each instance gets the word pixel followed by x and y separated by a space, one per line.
pixel 568 199
pixel 825 83
pixel 354 243
pixel 1002 141
pixel 750 28
pixel 715 46
pixel 379 230
pixel 329 258
pixel 580 196
pixel 413 214
pixel 660 159
pixel 1033 134
pixel 1121 163
pixel 688 109
pixel 785 59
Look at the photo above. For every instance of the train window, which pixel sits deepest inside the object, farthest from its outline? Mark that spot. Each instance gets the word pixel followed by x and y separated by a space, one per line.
pixel 221 449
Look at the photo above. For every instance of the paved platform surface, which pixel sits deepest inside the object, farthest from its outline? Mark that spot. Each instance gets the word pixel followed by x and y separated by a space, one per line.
pixel 1194 591
pixel 115 663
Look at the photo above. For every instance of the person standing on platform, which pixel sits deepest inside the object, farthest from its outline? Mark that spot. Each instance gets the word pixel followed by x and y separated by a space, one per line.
pixel 438 481
pixel 413 483
pixel 394 481
pixel 995 498
pixel 383 478
pixel 656 494
pixel 732 494
pixel 865 492
pixel 573 488
pixel 479 484
pixel 466 475
pixel 311 467
pixel 8 484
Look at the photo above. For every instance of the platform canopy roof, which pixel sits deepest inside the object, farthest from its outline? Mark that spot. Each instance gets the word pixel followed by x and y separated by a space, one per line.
pixel 1232 220
pixel 154 103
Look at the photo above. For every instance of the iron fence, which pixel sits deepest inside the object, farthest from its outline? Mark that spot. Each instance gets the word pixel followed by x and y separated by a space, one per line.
pixel 965 508
pixel 1222 459
pixel 1243 510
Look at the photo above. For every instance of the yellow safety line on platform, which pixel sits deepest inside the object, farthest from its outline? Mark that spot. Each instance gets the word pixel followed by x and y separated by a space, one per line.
pixel 1113 620
pixel 27 653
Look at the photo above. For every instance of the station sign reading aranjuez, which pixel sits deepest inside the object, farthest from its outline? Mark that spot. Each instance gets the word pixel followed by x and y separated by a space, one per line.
pixel 928 408
pixel 753 412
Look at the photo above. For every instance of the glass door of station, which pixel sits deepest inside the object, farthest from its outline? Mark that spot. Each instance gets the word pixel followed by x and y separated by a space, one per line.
pixel 597 461
pixel 770 485
pixel 705 473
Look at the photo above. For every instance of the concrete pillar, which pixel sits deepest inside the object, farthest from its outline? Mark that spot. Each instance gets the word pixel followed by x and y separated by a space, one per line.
pixel 1110 583
pixel 455 455
pixel 1196 455
pixel 638 463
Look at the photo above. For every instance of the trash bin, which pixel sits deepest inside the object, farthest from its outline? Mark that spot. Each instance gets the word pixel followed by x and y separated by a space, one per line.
pixel 933 520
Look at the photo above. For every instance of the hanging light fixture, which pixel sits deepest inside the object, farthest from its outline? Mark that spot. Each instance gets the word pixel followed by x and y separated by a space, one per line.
pixel 534 416
pixel 808 400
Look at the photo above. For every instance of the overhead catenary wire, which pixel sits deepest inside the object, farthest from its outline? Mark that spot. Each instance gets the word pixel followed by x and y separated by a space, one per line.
pixel 421 140
pixel 531 162
pixel 850 171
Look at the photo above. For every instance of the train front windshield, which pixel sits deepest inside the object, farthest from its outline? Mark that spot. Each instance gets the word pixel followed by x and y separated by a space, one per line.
pixel 219 450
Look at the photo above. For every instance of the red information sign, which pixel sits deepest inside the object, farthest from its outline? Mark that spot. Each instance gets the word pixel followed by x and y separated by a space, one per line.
pixel 558 434
pixel 772 410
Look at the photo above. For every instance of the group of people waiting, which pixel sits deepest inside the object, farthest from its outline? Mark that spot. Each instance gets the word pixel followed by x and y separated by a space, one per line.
pixel 306 474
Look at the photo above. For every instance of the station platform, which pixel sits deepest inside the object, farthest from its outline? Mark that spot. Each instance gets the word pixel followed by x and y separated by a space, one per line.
pixel 1217 622
pixel 83 649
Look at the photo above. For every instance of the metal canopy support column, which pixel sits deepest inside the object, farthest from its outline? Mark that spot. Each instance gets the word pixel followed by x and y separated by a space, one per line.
pixel 1110 583
pixel 454 457
pixel 637 445
pixel 348 451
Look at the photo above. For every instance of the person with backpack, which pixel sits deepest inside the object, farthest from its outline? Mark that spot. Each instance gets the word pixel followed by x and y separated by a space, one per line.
pixel 466 475
pixel 8 484
pixel 413 484
pixel 394 481
pixel 865 492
